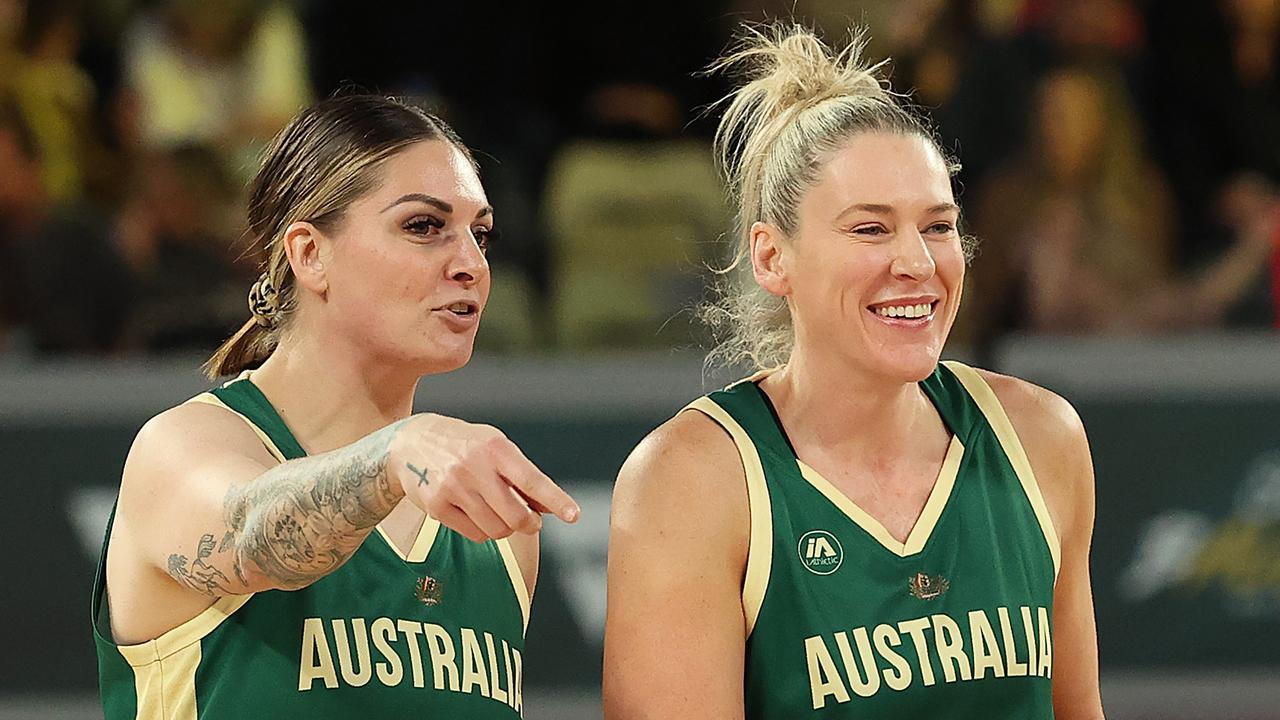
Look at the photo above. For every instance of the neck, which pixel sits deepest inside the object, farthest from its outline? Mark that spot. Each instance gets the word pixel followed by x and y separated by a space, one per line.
pixel 329 394
pixel 848 411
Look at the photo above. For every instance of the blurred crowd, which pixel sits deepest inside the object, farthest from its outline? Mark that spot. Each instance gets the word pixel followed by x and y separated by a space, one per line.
pixel 1121 158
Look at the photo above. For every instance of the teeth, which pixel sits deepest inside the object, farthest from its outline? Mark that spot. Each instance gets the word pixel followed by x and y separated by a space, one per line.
pixel 906 311
pixel 460 307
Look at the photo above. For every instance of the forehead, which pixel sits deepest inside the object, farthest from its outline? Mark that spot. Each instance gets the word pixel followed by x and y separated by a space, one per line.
pixel 904 171
pixel 431 167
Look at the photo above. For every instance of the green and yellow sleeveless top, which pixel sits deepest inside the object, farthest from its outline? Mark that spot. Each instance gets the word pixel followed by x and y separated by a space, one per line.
pixel 436 633
pixel 844 621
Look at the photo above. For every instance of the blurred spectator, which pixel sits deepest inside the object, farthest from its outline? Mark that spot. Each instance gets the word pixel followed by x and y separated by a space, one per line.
pixel 1234 288
pixel 13 17
pixel 632 214
pixel 61 280
pixel 55 96
pixel 1213 83
pixel 19 179
pixel 1012 45
pixel 1076 230
pixel 1078 234
pixel 124 150
pixel 176 235
pixel 222 74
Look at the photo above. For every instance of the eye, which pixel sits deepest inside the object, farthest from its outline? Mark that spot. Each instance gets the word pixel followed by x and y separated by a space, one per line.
pixel 871 230
pixel 941 228
pixel 485 236
pixel 424 225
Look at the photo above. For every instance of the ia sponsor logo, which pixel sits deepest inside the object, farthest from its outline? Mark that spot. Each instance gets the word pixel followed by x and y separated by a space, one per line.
pixel 820 552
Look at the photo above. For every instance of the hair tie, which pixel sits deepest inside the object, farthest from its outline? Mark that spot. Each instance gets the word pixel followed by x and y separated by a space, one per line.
pixel 263 302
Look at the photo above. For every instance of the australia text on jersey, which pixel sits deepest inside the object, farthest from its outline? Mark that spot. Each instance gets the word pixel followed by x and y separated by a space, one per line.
pixel 1015 654
pixel 473 662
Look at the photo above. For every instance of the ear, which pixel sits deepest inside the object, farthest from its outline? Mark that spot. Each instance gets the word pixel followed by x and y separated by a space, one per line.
pixel 767 250
pixel 307 249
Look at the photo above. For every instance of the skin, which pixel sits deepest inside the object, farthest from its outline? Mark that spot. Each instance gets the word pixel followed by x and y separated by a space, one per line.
pixel 205 510
pixel 849 401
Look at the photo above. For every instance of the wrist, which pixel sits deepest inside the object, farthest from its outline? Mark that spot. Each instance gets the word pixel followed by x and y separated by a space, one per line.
pixel 400 465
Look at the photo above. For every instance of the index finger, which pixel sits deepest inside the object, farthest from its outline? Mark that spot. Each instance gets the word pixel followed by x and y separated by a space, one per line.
pixel 533 484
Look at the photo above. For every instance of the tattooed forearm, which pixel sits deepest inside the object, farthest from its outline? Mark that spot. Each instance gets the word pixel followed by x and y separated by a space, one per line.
pixel 298 521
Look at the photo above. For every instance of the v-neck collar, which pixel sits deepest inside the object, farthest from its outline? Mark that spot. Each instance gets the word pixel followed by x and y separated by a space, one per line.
pixel 939 494
pixel 281 442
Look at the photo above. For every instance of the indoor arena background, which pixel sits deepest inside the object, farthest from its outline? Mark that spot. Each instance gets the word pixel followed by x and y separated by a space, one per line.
pixel 1121 165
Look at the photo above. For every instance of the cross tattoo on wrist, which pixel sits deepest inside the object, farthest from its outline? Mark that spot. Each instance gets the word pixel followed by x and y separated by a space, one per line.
pixel 422 474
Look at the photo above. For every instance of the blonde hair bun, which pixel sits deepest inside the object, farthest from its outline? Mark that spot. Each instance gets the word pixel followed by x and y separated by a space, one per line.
pixel 796 101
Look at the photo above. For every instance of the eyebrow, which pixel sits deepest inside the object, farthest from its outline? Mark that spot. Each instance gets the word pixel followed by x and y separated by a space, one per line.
pixel 887 209
pixel 434 202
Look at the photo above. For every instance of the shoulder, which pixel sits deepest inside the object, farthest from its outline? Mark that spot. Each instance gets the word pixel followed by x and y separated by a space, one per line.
pixel 181 464
pixel 181 439
pixel 691 451
pixel 1035 411
pixel 686 473
pixel 196 427
pixel 1053 437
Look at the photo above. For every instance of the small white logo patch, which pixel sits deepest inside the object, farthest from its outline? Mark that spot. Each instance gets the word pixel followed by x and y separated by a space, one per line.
pixel 820 552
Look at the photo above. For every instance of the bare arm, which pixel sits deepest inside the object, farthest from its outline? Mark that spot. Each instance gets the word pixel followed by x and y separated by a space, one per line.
pixel 1054 438
pixel 205 503
pixel 205 511
pixel 675 631
pixel 301 520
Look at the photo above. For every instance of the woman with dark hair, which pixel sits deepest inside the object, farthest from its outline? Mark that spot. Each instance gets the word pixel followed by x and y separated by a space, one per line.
pixel 277 548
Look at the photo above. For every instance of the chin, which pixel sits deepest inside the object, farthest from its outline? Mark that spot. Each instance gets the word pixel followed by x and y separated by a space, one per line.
pixel 438 357
pixel 443 363
pixel 909 365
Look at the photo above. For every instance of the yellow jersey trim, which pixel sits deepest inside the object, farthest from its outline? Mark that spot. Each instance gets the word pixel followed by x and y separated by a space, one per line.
pixel 167 689
pixel 760 547
pixel 928 519
pixel 209 398
pixel 181 638
pixel 426 539
pixel 426 533
pixel 422 542
pixel 517 578
pixel 990 406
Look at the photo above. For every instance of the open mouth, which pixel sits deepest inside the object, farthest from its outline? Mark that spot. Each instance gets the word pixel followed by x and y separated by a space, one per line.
pixel 905 311
pixel 462 309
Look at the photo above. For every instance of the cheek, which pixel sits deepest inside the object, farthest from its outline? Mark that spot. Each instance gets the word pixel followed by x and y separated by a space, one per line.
pixel 838 283
pixel 380 279
pixel 950 264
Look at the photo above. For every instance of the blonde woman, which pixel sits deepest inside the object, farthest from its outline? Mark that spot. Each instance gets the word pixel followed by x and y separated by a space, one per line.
pixel 277 548
pixel 857 530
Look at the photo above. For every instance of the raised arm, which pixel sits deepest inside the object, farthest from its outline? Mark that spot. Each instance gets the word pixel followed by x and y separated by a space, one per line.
pixel 675 631
pixel 1054 438
pixel 206 511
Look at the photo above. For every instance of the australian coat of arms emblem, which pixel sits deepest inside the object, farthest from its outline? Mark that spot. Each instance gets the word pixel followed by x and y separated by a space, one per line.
pixel 428 590
pixel 928 587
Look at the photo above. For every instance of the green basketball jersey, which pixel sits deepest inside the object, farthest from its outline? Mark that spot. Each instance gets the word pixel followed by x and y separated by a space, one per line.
pixel 436 633
pixel 844 621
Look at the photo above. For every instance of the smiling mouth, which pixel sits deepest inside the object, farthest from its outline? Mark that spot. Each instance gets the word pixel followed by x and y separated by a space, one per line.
pixel 909 311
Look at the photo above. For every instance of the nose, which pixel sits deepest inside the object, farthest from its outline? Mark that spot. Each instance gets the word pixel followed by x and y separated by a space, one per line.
pixel 469 265
pixel 912 259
